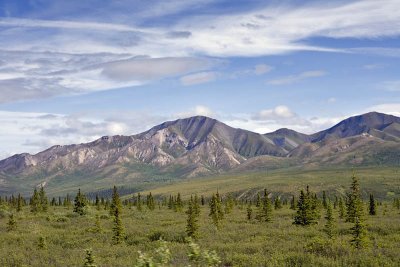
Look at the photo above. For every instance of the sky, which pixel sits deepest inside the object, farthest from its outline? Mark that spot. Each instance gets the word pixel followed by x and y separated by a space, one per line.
pixel 73 71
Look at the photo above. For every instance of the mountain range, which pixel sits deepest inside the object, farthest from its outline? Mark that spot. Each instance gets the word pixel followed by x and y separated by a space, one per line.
pixel 199 146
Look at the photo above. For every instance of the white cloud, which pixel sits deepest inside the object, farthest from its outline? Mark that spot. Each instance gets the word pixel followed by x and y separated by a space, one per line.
pixel 388 108
pixel 63 24
pixel 74 46
pixel 332 100
pixel 279 112
pixel 297 78
pixel 32 132
pixel 198 78
pixel 198 110
pixel 262 69
pixel 38 75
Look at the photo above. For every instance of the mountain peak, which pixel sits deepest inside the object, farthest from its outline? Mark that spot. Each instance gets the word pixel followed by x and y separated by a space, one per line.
pixel 373 123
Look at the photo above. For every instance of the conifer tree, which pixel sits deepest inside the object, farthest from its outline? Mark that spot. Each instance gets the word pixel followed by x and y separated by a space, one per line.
pixel 258 201
pixel 44 202
pixel 330 223
pixel 97 202
pixel 53 202
pixel 170 202
pixel 216 213
pixel 150 202
pixel 203 201
pixel 265 209
pixel 19 203
pixel 277 203
pixel 249 213
pixel 12 223
pixel 67 201
pixel 139 202
pixel 178 203
pixel 359 234
pixel 336 202
pixel 192 212
pixel 80 203
pixel 115 201
pixel 35 202
pixel 89 259
pixel 97 225
pixel 306 214
pixel 324 200
pixel 118 229
pixel 354 202
pixel 372 205
pixel 196 205
pixel 355 214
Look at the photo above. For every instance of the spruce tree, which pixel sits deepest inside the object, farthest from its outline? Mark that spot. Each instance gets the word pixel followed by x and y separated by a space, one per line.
pixel 372 205
pixel 265 209
pixel 97 202
pixel 277 203
pixel 229 203
pixel 19 203
pixel 35 202
pixel 354 202
pixel 44 202
pixel 12 223
pixel 178 203
pixel 150 202
pixel 97 225
pixel 330 223
pixel 89 259
pixel 192 212
pixel 139 202
pixel 216 213
pixel 80 203
pixel 258 201
pixel 359 234
pixel 115 201
pixel 249 213
pixel 306 214
pixel 324 200
pixel 118 229
pixel 203 201
pixel 196 205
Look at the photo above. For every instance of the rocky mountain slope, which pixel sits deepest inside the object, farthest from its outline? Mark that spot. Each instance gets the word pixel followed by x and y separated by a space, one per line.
pixel 201 146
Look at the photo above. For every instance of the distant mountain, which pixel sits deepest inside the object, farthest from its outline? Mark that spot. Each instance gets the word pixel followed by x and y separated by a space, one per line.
pixel 288 139
pixel 199 146
pixel 383 126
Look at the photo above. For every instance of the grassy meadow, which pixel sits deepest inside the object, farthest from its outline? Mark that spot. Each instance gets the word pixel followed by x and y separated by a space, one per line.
pixel 59 237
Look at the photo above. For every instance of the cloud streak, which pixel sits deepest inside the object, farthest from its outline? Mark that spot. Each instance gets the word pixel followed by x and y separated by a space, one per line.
pixel 297 78
pixel 91 53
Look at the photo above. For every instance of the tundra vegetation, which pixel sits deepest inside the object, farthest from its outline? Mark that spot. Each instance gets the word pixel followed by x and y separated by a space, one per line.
pixel 263 227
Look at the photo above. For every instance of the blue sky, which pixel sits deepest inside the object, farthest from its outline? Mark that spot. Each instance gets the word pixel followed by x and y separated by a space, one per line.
pixel 72 71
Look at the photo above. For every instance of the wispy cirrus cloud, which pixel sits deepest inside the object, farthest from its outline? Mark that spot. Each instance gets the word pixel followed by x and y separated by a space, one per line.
pixel 297 78
pixel 198 78
pixel 115 41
